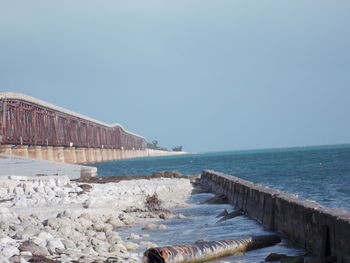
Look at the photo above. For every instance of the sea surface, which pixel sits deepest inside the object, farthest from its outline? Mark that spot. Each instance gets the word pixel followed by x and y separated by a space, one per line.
pixel 317 173
pixel 201 223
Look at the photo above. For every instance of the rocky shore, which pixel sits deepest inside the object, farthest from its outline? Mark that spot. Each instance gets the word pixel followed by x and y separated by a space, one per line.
pixel 54 219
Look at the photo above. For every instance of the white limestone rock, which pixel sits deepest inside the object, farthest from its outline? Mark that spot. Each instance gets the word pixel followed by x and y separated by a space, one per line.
pixel 6 240
pixel 149 226
pixel 5 214
pixel 147 244
pixel 68 244
pixel 54 244
pixel 108 228
pixel 94 241
pixel 89 251
pixel 131 246
pixel 114 238
pixel 101 247
pixel 33 248
pixel 127 219
pixel 119 247
pixel 9 251
pixel 116 222
pixel 98 226
pixel 100 236
pixel 3 193
pixel 18 191
pixel 18 259
pixel 76 232
pixel 65 230
pixel 161 227
pixel 84 223
pixel 26 254
pixel 133 236
pixel 4 259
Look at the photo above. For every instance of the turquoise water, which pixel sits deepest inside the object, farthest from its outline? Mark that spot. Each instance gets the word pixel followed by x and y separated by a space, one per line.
pixel 201 224
pixel 316 173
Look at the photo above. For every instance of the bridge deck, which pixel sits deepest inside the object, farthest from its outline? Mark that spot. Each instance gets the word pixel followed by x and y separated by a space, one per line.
pixel 30 121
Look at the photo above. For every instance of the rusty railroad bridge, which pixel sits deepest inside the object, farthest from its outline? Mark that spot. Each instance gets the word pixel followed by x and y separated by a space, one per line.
pixel 33 128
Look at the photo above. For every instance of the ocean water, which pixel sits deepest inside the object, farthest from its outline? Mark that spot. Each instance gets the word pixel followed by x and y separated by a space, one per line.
pixel 317 173
pixel 201 223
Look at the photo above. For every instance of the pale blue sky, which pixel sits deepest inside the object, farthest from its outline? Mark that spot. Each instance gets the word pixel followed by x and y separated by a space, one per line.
pixel 208 75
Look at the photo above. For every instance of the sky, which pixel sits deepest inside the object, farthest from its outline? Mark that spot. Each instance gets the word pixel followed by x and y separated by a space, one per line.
pixel 207 75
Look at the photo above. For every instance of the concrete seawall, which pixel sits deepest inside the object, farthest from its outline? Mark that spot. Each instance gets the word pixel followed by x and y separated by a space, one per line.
pixel 78 155
pixel 324 231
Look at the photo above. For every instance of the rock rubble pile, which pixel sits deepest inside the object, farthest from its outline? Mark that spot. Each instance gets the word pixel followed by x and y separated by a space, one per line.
pixel 65 221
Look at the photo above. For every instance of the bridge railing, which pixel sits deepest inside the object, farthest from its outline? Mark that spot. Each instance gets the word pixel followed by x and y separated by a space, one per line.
pixel 28 123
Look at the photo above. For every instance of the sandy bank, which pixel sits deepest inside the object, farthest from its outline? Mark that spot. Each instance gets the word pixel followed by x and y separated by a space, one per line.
pixel 12 165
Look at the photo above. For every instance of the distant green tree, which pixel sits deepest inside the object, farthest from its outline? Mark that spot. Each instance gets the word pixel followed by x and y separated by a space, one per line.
pixel 177 149
pixel 154 145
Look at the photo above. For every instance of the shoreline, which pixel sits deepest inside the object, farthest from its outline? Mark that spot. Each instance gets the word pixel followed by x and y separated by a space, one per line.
pixel 80 219
pixel 102 220
pixel 64 220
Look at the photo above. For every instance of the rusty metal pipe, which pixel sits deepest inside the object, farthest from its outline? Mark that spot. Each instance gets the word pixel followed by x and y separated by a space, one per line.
pixel 204 251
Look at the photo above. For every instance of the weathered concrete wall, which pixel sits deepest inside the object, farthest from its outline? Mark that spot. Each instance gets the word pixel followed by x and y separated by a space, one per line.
pixel 325 231
pixel 79 155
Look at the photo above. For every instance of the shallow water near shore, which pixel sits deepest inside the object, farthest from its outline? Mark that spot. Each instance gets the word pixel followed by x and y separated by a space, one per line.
pixel 317 173
pixel 200 224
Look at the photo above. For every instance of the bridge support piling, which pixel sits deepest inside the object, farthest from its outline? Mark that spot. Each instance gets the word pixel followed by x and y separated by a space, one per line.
pixel 90 156
pixel 6 149
pixel 31 152
pixel 80 155
pixel 74 155
pixel 21 151
pixel 35 152
pixel 58 154
pixel 104 155
pixel 114 154
pixel 97 154
pixel 70 155
pixel 109 154
pixel 47 153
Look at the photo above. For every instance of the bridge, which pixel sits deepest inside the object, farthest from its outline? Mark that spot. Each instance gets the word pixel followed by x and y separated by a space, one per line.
pixel 33 128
